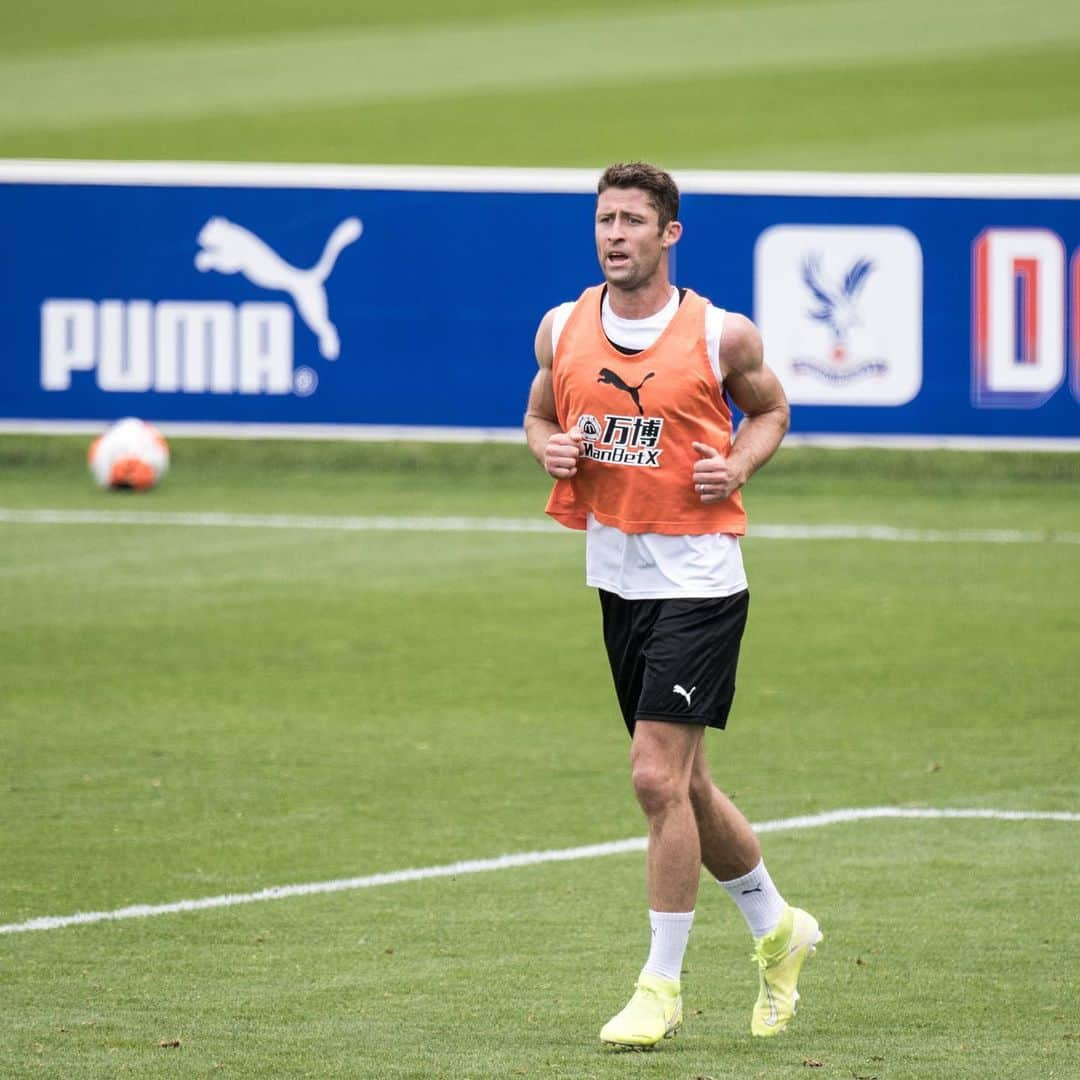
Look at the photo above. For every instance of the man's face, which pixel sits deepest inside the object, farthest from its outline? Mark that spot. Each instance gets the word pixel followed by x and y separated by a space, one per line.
pixel 629 242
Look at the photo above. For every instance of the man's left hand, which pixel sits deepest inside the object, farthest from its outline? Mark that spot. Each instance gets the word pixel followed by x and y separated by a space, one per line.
pixel 714 477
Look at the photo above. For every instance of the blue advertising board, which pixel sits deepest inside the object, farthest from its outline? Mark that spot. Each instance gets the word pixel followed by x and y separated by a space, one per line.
pixel 359 299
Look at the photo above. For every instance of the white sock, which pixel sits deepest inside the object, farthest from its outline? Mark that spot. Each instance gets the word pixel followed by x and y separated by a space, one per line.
pixel 670 933
pixel 758 900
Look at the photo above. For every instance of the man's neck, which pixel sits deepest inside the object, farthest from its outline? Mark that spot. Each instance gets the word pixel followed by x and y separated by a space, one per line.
pixel 639 303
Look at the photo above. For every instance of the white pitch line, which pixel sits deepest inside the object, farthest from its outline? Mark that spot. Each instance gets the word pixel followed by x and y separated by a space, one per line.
pixel 889 534
pixel 387 523
pixel 507 862
pixel 214 520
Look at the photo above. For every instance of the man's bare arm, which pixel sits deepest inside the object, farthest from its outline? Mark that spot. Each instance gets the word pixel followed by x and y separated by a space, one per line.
pixel 754 387
pixel 557 451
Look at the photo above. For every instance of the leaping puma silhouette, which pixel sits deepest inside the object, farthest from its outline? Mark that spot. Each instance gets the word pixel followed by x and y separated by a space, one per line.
pixel 610 377
pixel 677 689
pixel 229 248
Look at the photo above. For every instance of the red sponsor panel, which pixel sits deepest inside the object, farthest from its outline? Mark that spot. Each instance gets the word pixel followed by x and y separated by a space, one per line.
pixel 1018 324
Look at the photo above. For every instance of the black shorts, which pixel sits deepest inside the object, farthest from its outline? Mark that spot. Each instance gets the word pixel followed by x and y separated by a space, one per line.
pixel 674 659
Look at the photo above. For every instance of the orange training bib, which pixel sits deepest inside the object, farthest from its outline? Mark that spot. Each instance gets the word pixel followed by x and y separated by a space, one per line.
pixel 639 415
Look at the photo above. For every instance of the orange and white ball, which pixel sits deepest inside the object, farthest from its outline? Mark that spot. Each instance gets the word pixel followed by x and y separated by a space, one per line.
pixel 130 454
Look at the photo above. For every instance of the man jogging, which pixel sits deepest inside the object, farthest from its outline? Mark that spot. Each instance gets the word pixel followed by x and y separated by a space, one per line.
pixel 629 415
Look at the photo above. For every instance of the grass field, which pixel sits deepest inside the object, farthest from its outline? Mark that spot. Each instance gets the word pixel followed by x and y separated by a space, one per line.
pixel 193 711
pixel 288 695
pixel 970 86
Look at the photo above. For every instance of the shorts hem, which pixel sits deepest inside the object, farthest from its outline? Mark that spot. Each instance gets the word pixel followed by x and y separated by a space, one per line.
pixel 695 719
pixel 667 594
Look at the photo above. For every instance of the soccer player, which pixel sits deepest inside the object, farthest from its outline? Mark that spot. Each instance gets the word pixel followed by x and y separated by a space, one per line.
pixel 629 415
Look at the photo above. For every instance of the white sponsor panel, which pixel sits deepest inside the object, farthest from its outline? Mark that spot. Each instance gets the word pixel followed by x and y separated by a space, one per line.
pixel 624 440
pixel 840 312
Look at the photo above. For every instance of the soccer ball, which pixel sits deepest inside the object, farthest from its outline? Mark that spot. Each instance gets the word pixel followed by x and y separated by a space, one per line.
pixel 130 454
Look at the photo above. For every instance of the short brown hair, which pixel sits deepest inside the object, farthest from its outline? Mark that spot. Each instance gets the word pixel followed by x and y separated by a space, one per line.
pixel 662 190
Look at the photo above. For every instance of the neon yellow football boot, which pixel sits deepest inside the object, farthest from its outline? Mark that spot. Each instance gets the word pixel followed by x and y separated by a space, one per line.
pixel 653 1013
pixel 780 957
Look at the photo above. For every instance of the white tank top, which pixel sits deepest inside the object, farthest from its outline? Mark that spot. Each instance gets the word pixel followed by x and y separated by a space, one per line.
pixel 649 566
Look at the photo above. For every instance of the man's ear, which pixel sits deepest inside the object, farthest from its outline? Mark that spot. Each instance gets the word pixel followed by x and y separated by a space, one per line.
pixel 672 232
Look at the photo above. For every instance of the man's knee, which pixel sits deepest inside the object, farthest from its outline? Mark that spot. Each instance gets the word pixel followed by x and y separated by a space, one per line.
pixel 661 761
pixel 656 786
pixel 658 781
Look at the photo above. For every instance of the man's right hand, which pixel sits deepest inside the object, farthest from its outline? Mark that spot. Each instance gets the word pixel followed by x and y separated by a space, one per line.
pixel 562 452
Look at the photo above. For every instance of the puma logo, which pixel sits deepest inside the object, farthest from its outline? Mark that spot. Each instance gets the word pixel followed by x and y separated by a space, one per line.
pixel 612 379
pixel 677 689
pixel 229 248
